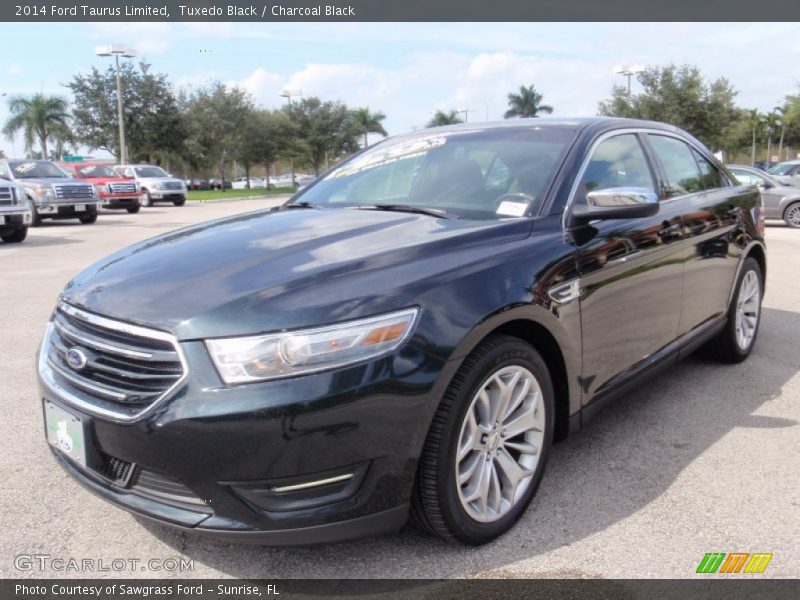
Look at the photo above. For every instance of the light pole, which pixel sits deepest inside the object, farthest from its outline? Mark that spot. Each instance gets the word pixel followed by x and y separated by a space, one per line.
pixel 466 112
pixel 116 50
pixel 288 95
pixel 629 71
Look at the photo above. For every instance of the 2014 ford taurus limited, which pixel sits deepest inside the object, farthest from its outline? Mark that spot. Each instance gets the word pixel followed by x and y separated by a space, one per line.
pixel 407 336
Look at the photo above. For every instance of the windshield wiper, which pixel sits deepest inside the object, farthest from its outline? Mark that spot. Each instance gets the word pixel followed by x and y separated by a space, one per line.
pixel 431 212
pixel 302 204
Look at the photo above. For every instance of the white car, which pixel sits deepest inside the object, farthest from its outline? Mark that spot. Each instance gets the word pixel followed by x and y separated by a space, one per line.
pixel 256 183
pixel 156 184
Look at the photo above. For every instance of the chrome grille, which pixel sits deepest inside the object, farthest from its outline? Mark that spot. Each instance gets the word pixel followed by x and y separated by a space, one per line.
pixel 121 188
pixel 168 490
pixel 74 192
pixel 7 196
pixel 127 368
pixel 172 185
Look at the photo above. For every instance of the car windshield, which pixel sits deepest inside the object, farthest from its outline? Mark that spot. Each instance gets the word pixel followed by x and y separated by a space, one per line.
pixel 33 169
pixel 150 172
pixel 90 171
pixel 781 169
pixel 478 174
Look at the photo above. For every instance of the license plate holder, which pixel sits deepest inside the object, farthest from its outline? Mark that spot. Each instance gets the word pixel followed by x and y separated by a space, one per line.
pixel 79 207
pixel 65 432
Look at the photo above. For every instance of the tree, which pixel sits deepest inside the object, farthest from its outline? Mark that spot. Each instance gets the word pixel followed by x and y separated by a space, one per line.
pixel 682 97
pixel 780 112
pixel 154 129
pixel 368 122
pixel 755 120
pixel 38 116
pixel 269 137
pixel 325 130
pixel 527 104
pixel 444 118
pixel 217 118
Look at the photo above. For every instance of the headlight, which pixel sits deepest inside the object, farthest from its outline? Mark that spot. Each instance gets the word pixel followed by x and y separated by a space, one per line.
pixel 43 192
pixel 273 356
pixel 157 185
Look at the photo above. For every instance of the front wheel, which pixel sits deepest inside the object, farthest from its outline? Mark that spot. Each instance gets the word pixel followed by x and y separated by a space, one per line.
pixel 36 220
pixel 133 209
pixel 146 200
pixel 88 219
pixel 791 215
pixel 487 447
pixel 179 202
pixel 735 342
pixel 16 237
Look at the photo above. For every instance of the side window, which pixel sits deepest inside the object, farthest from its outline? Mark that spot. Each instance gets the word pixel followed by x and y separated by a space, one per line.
pixel 747 178
pixel 683 174
pixel 618 161
pixel 710 175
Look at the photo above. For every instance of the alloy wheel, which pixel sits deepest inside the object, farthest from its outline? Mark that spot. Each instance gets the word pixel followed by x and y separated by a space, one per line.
pixel 500 443
pixel 793 215
pixel 748 307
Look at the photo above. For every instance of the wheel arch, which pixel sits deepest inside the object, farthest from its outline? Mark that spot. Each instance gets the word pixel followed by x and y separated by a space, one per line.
pixel 758 252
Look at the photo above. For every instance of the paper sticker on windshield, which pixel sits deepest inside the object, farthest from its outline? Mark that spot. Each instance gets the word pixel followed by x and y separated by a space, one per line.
pixel 88 170
pixel 511 209
pixel 25 167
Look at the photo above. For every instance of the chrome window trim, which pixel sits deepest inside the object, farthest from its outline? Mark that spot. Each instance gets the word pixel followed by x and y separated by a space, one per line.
pixel 629 130
pixel 61 393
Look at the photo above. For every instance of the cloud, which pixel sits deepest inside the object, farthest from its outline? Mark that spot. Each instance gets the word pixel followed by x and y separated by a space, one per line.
pixel 15 70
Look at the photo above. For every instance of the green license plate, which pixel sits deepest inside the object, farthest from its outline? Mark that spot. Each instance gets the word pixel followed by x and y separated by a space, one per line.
pixel 65 432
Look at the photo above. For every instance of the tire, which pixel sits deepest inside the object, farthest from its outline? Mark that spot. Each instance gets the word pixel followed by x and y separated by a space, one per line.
pixel 731 345
pixel 18 236
pixel 439 503
pixel 180 202
pixel 88 219
pixel 133 209
pixel 146 200
pixel 36 220
pixel 791 216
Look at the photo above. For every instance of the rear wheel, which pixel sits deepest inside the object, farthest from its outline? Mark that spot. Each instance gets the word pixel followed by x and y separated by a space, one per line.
pixel 488 444
pixel 735 342
pixel 792 215
pixel 16 236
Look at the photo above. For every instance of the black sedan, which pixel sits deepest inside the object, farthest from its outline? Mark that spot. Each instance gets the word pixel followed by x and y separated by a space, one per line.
pixel 407 336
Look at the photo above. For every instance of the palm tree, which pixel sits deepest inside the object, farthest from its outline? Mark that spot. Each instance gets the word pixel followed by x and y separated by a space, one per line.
pixel 754 119
pixel 526 104
pixel 444 118
pixel 37 116
pixel 369 122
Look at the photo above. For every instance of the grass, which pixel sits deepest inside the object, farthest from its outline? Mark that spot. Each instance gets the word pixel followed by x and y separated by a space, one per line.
pixel 211 195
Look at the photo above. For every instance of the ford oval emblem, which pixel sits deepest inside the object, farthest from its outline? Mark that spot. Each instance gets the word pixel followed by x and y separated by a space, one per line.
pixel 76 359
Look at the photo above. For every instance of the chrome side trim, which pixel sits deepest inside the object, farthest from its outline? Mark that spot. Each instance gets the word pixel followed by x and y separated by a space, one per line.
pixel 60 392
pixel 311 484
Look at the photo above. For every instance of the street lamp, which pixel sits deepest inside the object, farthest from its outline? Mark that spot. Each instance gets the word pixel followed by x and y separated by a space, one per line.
pixel 466 112
pixel 629 71
pixel 116 50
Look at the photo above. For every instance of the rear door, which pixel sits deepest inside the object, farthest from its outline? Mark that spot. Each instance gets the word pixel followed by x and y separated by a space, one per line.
pixel 711 209
pixel 631 276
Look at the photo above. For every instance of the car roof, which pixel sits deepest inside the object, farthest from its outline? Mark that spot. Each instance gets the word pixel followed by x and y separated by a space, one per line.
pixel 564 123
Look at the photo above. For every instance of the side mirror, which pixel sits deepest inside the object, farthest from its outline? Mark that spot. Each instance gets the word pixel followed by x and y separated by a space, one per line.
pixel 765 185
pixel 616 203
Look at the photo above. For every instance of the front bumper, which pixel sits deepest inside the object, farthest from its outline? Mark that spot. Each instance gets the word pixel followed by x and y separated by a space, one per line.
pixel 119 200
pixel 321 458
pixel 65 209
pixel 167 194
pixel 14 217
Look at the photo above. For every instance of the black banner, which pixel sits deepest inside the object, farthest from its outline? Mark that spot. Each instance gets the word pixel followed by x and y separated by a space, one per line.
pixel 398 10
pixel 712 587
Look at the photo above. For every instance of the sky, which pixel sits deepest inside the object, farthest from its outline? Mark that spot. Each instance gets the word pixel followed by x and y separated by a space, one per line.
pixel 409 70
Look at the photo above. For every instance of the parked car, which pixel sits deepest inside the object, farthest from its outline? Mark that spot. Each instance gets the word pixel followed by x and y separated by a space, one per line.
pixel 406 336
pixel 156 184
pixel 197 184
pixel 115 191
pixel 787 172
pixel 216 183
pixel 780 201
pixel 286 180
pixel 15 215
pixel 255 183
pixel 50 192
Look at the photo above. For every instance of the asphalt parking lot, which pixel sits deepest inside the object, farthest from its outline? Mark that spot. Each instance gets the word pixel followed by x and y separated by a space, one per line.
pixel 705 459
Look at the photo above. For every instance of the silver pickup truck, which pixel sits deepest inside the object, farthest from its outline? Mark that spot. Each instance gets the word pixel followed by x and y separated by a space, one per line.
pixel 50 192
pixel 15 216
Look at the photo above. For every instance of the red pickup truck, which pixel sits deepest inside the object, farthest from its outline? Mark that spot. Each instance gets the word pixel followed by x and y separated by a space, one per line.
pixel 115 191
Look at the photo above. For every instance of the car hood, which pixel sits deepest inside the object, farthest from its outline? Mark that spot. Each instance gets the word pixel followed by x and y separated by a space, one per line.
pixel 105 180
pixel 51 181
pixel 268 271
